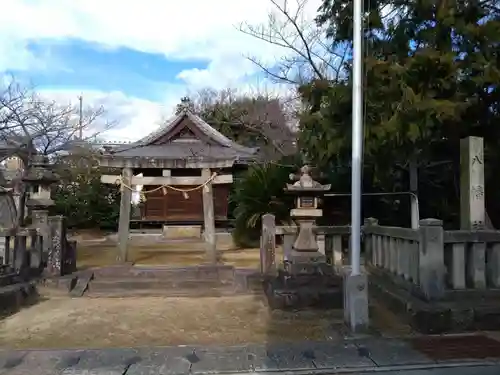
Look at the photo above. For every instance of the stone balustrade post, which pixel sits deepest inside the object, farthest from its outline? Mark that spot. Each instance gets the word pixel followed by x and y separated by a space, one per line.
pixel 431 267
pixel 369 240
pixel 41 224
pixel 288 241
pixel 268 245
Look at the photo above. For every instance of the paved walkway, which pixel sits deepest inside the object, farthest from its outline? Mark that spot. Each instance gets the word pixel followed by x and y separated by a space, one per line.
pixel 361 356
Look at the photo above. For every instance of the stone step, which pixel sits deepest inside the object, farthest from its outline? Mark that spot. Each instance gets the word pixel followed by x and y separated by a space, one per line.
pixel 197 293
pixel 154 284
pixel 62 283
pixel 209 272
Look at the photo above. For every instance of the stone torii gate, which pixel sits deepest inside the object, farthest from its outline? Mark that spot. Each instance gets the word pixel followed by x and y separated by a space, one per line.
pixel 206 182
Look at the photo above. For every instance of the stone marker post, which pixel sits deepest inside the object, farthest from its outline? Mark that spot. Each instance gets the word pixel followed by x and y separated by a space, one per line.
pixel 472 198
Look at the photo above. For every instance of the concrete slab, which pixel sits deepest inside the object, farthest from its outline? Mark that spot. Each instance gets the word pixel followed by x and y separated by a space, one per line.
pixel 162 361
pixel 292 356
pixel 345 355
pixel 94 371
pixel 40 362
pixel 261 361
pixel 231 359
pixel 108 358
pixel 362 356
pixel 387 352
pixel 10 360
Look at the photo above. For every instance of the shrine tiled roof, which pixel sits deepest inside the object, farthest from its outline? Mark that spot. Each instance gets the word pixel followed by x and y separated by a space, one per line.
pixel 167 143
pixel 183 151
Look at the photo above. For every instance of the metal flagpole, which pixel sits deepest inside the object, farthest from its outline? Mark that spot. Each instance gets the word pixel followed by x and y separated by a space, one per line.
pixel 357 137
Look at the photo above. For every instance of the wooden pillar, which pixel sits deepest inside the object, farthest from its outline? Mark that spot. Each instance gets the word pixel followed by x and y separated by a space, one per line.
pixel 124 221
pixel 209 217
pixel 472 200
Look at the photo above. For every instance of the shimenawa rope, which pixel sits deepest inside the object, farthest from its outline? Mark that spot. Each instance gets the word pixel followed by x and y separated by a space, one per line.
pixel 119 181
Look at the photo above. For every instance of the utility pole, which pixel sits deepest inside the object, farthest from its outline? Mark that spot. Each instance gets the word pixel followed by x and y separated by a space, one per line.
pixel 357 137
pixel 80 119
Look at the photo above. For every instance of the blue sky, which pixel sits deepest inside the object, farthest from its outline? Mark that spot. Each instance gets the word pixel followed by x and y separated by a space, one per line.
pixel 89 66
pixel 137 59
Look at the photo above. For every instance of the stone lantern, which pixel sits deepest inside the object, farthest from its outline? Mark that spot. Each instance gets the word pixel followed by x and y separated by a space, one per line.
pixel 308 192
pixel 39 178
pixel 306 279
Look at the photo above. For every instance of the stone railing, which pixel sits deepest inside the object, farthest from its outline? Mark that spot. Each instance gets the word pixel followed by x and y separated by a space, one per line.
pixel 332 240
pixel 472 259
pixel 20 251
pixel 42 248
pixel 432 262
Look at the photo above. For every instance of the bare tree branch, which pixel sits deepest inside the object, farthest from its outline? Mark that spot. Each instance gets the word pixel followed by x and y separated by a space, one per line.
pixel 307 55
pixel 262 120
pixel 29 123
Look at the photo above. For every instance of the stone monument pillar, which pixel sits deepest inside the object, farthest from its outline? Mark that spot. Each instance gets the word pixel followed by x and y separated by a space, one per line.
pixel 472 197
pixel 40 177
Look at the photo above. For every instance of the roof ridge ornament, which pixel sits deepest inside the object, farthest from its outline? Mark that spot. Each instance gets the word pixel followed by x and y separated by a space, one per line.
pixel 186 104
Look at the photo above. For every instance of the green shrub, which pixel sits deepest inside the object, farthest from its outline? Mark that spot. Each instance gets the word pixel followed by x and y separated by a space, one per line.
pixel 86 202
pixel 258 191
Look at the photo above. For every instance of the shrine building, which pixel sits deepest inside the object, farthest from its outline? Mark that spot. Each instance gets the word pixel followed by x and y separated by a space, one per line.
pixel 186 170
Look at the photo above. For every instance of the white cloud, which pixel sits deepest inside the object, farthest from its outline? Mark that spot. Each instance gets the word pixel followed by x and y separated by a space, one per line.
pixel 134 117
pixel 195 29
pixel 182 30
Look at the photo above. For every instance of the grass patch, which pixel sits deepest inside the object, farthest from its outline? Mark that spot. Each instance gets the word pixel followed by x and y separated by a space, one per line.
pixel 180 254
pixel 156 321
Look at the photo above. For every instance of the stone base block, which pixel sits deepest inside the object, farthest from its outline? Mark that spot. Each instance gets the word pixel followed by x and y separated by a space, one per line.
pixel 299 269
pixel 181 231
pixel 460 311
pixel 356 302
pixel 306 257
pixel 304 291
pixel 305 297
